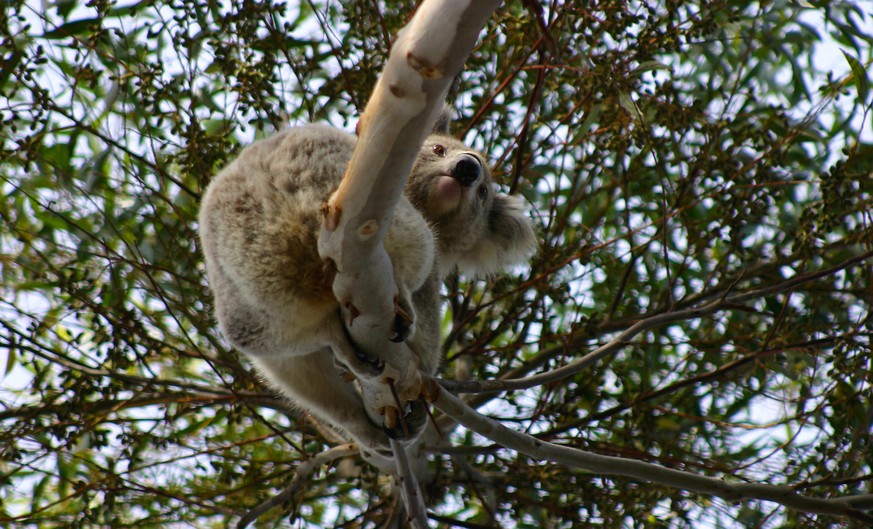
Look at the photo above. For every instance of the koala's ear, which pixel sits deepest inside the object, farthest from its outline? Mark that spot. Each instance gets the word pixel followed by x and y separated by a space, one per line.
pixel 443 121
pixel 509 239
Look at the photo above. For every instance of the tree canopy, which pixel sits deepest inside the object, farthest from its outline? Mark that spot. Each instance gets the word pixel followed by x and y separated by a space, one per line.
pixel 700 171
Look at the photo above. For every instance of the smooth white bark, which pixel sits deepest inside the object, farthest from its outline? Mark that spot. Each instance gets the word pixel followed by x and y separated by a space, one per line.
pixel 428 53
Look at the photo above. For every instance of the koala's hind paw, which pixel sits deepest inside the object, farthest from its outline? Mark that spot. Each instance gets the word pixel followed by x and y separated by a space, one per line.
pixel 403 321
pixel 411 424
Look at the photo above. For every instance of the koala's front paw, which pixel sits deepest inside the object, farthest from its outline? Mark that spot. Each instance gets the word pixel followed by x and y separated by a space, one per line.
pixel 371 439
pixel 359 362
pixel 404 319
pixel 375 441
pixel 411 425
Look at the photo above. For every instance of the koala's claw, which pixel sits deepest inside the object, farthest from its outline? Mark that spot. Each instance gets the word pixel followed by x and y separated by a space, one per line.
pixel 411 424
pixel 402 324
pixel 375 364
pixel 362 363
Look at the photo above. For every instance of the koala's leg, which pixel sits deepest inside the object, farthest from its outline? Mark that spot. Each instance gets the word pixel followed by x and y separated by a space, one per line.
pixel 314 383
pixel 426 342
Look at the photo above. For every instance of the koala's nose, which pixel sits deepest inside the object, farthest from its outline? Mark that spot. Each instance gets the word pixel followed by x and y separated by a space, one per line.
pixel 467 170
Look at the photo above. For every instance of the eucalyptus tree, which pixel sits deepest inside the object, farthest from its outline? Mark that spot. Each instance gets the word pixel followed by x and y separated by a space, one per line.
pixel 700 175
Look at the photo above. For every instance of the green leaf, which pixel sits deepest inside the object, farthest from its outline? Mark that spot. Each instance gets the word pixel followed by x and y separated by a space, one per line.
pixel 859 74
pixel 10 360
pixel 627 103
pixel 121 11
pixel 65 7
pixel 216 127
pixel 8 65
pixel 648 66
pixel 75 27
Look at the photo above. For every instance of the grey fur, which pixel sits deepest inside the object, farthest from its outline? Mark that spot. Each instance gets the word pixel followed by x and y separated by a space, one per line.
pixel 259 223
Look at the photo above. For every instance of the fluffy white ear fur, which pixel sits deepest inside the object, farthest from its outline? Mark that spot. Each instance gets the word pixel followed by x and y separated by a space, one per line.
pixel 510 239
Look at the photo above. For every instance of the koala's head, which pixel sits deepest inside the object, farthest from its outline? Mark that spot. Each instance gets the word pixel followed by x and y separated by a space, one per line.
pixel 478 229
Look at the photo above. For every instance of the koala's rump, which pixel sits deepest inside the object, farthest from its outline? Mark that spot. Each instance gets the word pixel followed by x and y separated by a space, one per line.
pixel 261 217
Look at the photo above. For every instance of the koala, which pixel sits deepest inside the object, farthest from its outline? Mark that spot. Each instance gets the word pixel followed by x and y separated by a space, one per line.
pixel 259 224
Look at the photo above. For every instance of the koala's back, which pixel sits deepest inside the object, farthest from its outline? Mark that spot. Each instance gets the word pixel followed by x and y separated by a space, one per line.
pixel 259 225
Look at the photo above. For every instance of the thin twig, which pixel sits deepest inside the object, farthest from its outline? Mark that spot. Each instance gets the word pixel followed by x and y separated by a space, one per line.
pixel 724 302
pixel 850 506
pixel 302 472
pixel 409 489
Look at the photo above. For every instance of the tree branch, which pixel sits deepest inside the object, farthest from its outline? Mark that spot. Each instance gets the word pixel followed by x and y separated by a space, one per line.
pixel 413 500
pixel 851 506
pixel 723 302
pixel 302 472
pixel 427 54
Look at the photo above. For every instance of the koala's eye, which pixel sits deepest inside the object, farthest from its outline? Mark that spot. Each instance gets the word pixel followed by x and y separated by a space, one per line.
pixel 483 192
pixel 439 150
